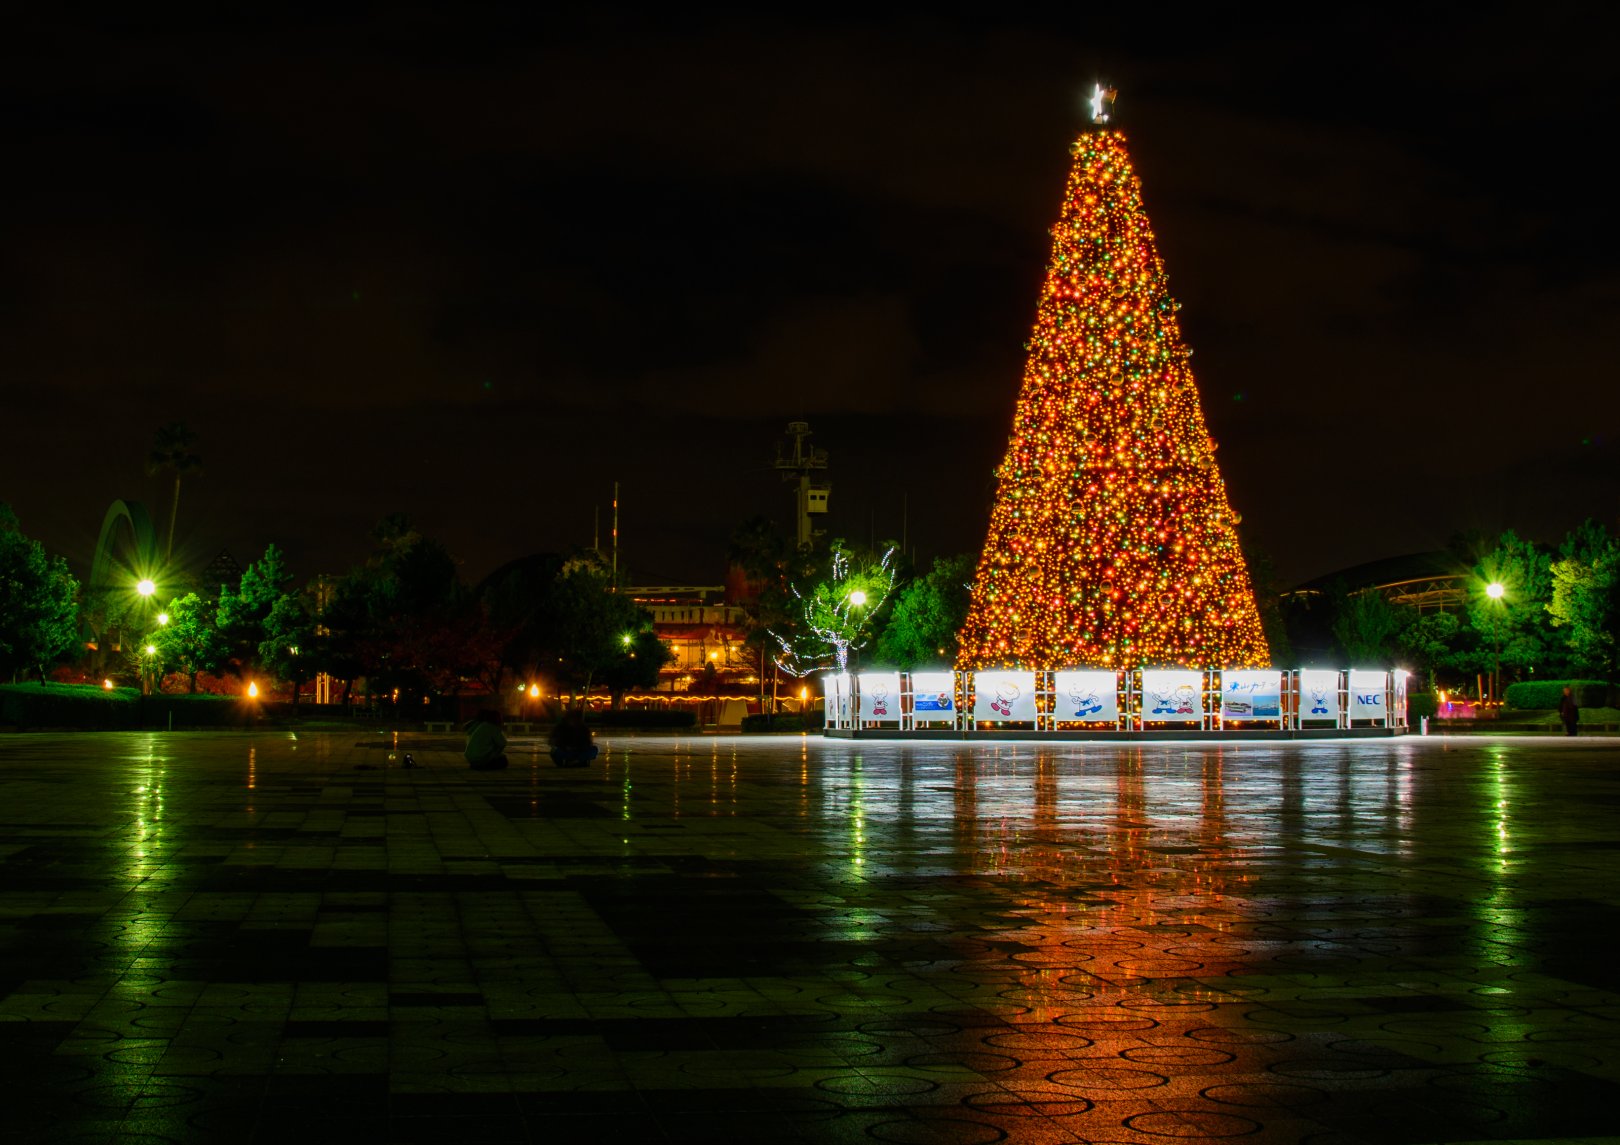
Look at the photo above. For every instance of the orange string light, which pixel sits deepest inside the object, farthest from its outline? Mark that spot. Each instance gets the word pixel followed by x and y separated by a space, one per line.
pixel 1111 542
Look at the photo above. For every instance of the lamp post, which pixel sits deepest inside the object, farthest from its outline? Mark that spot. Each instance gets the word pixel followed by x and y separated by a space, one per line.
pixel 1495 590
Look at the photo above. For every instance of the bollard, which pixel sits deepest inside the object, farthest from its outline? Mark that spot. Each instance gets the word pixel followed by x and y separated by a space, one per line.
pixel 1423 724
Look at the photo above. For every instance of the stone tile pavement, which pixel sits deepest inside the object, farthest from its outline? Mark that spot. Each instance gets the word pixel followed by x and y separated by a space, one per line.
pixel 263 937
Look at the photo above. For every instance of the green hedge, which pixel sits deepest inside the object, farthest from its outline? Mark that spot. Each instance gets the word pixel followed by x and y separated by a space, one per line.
pixel 784 722
pixel 1540 695
pixel 67 706
pixel 1421 705
pixel 193 711
pixel 642 718
pixel 85 706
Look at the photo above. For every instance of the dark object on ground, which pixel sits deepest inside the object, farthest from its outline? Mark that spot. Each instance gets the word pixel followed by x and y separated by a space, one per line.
pixel 1569 712
pixel 571 744
pixel 576 758
pixel 486 742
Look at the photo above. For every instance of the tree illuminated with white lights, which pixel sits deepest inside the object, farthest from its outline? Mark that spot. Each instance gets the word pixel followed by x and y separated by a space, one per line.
pixel 837 613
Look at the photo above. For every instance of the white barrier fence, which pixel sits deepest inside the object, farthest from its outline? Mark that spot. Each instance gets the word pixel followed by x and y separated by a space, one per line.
pixel 1145 699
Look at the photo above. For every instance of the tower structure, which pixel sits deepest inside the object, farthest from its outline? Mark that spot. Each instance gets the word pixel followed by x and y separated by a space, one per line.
pixel 796 467
pixel 1111 542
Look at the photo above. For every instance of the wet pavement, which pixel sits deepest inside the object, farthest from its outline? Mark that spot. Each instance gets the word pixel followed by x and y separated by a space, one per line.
pixel 260 938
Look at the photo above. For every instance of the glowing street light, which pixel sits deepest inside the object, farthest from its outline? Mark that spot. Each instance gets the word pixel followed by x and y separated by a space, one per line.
pixel 857 598
pixel 534 691
pixel 253 690
pixel 162 618
pixel 145 586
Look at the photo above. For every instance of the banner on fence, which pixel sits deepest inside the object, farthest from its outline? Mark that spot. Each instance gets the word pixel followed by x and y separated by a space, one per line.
pixel 1086 696
pixel 1172 695
pixel 1251 695
pixel 880 697
pixel 1004 697
pixel 1318 694
pixel 933 694
pixel 1367 695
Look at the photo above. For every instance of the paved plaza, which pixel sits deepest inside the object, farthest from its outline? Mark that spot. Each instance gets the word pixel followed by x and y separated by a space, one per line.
pixel 263 937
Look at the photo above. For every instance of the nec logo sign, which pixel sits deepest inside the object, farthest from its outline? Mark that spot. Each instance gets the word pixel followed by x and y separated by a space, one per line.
pixel 1370 699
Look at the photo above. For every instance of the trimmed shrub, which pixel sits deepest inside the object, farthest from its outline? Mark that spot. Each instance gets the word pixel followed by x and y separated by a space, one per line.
pixel 1541 695
pixel 99 709
pixel 784 722
pixel 68 706
pixel 642 718
pixel 192 711
pixel 1421 705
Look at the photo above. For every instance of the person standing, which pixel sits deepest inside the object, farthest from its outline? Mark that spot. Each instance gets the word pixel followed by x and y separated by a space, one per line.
pixel 1569 711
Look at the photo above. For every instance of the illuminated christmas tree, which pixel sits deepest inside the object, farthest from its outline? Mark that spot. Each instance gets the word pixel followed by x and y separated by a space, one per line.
pixel 1111 542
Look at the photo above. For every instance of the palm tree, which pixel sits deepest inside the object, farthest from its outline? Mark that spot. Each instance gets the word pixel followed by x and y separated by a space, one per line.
pixel 173 449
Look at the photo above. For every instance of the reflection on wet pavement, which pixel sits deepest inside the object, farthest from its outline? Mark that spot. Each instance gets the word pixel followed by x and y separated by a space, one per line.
pixel 262 937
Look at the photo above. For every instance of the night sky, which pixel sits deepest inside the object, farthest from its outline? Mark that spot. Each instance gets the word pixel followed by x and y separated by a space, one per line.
pixel 475 267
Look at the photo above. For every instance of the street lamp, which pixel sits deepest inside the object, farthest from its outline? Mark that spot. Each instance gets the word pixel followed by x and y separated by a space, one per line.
pixel 145 586
pixel 1495 590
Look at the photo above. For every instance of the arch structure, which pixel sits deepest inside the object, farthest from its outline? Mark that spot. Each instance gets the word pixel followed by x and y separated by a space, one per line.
pixel 126 551
pixel 142 547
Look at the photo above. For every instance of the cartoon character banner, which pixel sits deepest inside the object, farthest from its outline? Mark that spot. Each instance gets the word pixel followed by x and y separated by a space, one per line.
pixel 1367 695
pixel 1004 697
pixel 1172 695
pixel 1086 696
pixel 1318 695
pixel 1249 695
pixel 933 695
pixel 880 697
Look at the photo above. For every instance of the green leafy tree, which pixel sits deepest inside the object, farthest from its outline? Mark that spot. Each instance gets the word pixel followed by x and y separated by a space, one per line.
pixel 191 641
pixel 641 655
pixel 1585 604
pixel 1429 643
pixel 289 633
pixel 587 623
pixel 430 634
pixel 926 616
pixel 1515 631
pixel 38 610
pixel 244 612
pixel 1367 626
pixel 837 611
pixel 405 621
pixel 770 566
pixel 174 450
